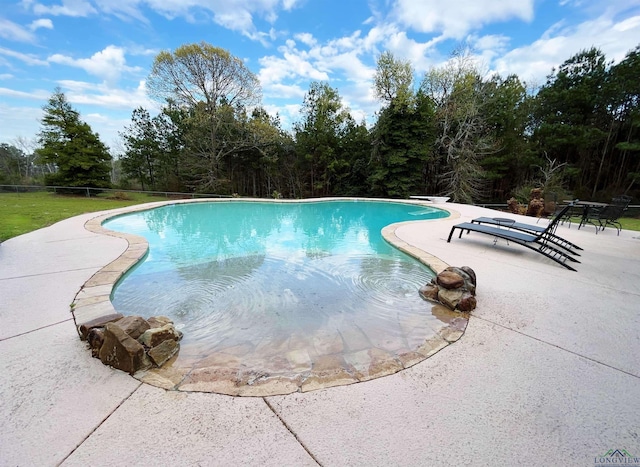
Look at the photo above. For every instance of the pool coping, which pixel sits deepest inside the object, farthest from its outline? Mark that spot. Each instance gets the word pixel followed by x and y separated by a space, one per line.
pixel 93 301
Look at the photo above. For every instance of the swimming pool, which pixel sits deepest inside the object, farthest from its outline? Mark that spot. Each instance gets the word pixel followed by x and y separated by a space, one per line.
pixel 277 287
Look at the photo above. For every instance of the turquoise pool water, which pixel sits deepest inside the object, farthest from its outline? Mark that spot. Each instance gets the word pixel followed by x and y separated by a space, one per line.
pixel 261 275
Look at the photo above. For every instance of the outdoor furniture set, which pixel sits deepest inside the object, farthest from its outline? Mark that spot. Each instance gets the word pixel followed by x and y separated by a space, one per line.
pixel 544 240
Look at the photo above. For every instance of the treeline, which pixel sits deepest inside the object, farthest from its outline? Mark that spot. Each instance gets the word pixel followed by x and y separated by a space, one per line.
pixel 455 132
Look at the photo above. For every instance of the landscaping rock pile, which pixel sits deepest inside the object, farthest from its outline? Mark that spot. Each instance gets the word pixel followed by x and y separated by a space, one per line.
pixel 131 343
pixel 454 287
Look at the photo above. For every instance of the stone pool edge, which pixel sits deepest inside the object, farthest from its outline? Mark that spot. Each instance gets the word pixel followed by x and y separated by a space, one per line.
pixel 93 301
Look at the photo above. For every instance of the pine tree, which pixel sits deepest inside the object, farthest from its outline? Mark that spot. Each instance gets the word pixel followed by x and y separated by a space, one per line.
pixel 68 143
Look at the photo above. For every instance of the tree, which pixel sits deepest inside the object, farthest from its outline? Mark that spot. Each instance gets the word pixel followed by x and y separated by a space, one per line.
pixel 11 164
pixel 79 156
pixel 318 137
pixel 214 87
pixel 393 80
pixel 142 149
pixel 572 120
pixel 403 139
pixel 506 112
pixel 625 106
pixel 462 137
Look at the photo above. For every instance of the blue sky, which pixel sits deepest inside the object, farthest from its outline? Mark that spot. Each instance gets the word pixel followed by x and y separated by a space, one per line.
pixel 99 52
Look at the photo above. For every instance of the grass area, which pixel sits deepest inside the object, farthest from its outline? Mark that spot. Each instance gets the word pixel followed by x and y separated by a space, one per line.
pixel 23 212
pixel 628 223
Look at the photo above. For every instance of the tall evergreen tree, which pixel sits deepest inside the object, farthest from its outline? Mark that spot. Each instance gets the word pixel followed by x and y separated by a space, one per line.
pixel 318 136
pixel 68 143
pixel 402 144
pixel 573 124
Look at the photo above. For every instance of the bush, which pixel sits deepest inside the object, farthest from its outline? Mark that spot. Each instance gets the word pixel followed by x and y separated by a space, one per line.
pixel 121 196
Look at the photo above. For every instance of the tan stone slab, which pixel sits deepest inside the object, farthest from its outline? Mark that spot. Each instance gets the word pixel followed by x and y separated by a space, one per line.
pixel 354 339
pixel 450 334
pixel 359 363
pixel 220 386
pixel 432 346
pixel 87 313
pixel 328 380
pixel 300 360
pixel 298 341
pixel 382 363
pixel 103 278
pixel 222 380
pixel 392 341
pixel 270 387
pixel 122 264
pixel 326 342
pixel 219 359
pixel 446 315
pixel 269 347
pixel 84 301
pixel 239 350
pixel 159 378
pixel 275 365
pixel 408 359
pixel 95 291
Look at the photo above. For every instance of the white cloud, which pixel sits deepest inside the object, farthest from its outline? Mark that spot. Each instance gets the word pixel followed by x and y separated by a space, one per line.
pixel 108 64
pixel 285 91
pixel 105 109
pixel 14 32
pixel 37 95
pixel 25 58
pixel 25 122
pixel 456 18
pixel 237 15
pixel 41 23
pixel 75 8
pixel 532 63
pixel 289 114
pixel 85 93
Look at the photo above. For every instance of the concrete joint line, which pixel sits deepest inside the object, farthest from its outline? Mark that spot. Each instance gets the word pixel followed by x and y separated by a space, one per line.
pixel 36 329
pixel 125 399
pixel 93 268
pixel 558 347
pixel 291 431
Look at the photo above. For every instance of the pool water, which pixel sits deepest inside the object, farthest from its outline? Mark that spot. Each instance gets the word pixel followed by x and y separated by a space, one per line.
pixel 279 285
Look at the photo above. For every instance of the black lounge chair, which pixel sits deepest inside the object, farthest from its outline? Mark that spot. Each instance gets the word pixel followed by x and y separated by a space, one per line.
pixel 532 229
pixel 541 242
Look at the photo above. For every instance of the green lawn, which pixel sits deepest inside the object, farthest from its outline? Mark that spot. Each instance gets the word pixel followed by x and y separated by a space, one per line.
pixel 23 212
pixel 628 223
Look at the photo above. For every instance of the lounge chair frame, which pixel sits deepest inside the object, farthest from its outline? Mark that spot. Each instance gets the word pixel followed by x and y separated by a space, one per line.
pixel 541 242
pixel 532 229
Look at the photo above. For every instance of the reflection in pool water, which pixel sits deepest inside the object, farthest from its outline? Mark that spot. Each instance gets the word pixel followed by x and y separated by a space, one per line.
pixel 279 285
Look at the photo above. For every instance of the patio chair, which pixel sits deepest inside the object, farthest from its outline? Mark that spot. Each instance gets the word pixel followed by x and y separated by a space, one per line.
pixel 542 242
pixel 609 214
pixel 534 229
pixel 621 200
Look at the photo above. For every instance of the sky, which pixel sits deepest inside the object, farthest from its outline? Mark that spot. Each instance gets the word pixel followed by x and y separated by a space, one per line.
pixel 100 52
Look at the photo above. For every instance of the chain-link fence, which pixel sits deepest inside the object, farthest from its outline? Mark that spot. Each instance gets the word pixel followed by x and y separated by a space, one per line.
pixel 88 191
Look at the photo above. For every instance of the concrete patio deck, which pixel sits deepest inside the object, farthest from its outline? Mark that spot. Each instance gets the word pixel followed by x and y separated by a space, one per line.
pixel 547 372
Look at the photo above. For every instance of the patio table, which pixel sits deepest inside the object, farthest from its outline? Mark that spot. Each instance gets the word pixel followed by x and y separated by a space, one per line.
pixel 586 207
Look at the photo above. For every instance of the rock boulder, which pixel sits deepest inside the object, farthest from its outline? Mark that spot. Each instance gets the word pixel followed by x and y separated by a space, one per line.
pixel 454 288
